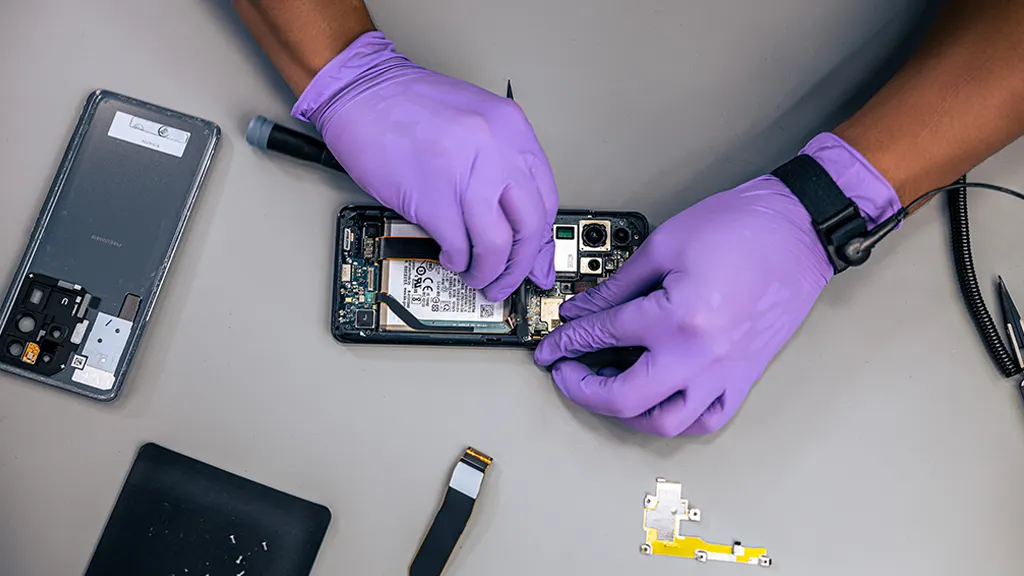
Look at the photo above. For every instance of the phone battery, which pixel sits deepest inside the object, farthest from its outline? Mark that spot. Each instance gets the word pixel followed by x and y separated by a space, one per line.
pixel 435 295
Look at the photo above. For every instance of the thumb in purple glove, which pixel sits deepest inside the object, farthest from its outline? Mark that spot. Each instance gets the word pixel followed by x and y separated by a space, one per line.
pixel 712 295
pixel 462 163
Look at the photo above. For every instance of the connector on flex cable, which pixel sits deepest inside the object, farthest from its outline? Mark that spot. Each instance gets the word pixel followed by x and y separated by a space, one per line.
pixel 665 511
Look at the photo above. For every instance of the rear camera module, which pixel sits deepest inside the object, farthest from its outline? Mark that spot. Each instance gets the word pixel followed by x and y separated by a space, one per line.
pixel 26 323
pixel 621 236
pixel 591 265
pixel 594 235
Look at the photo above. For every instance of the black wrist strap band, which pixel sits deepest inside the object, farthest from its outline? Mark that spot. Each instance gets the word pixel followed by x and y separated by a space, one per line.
pixel 835 217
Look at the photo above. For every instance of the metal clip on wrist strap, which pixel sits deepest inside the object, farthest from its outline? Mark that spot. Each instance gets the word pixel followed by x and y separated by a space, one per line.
pixel 835 217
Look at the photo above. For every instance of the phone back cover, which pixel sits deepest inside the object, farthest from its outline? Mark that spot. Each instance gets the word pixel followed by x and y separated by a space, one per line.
pixel 110 224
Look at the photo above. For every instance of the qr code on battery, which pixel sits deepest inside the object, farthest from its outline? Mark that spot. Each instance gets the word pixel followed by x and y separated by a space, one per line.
pixel 487 310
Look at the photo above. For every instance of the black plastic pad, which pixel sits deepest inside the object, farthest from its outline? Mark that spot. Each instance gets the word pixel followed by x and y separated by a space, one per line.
pixel 176 515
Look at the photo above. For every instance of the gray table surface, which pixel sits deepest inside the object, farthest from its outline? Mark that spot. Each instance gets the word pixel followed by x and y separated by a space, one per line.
pixel 880 441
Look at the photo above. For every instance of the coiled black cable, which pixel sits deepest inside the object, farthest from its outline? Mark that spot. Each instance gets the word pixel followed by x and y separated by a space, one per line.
pixel 963 259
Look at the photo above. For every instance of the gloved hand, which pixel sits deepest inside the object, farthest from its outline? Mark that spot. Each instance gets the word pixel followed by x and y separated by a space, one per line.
pixel 713 294
pixel 462 163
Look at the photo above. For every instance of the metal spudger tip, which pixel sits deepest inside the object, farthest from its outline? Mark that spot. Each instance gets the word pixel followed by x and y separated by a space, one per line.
pixel 508 91
pixel 259 131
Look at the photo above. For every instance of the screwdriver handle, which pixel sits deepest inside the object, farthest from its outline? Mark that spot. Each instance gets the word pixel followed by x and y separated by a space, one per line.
pixel 266 134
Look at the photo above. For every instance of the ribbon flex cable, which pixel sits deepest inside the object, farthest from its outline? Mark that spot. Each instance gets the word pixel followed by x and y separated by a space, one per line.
pixel 453 516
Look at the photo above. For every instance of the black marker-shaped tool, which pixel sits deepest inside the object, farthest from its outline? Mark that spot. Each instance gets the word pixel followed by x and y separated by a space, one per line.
pixel 266 134
pixel 1012 321
pixel 1014 329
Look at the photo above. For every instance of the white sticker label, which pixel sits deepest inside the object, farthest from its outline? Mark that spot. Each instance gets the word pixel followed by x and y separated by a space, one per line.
pixel 148 134
pixel 103 351
pixel 431 292
pixel 467 480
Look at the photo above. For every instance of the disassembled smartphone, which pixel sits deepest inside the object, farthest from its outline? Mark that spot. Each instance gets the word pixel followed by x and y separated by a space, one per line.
pixel 75 311
pixel 390 289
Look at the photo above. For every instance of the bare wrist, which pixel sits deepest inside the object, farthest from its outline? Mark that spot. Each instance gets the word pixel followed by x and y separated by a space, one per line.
pixel 302 36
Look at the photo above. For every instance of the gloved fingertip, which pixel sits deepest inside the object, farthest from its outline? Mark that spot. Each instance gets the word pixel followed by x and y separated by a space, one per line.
pixel 472 281
pixel 710 422
pixel 702 426
pixel 548 281
pixel 655 422
pixel 546 354
pixel 543 272
pixel 558 374
pixel 496 294
pixel 572 309
pixel 453 263
pixel 543 280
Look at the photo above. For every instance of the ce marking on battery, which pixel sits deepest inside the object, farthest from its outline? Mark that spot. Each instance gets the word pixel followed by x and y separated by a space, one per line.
pixel 423 283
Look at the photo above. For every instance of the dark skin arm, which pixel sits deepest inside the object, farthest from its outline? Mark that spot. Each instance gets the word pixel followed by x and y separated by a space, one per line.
pixel 301 36
pixel 957 101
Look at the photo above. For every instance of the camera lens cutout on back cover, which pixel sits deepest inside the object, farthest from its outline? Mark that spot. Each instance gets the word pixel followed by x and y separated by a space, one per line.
pixel 26 323
pixel 15 348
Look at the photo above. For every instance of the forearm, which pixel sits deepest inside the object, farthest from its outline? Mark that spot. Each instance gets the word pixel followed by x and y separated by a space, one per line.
pixel 957 101
pixel 301 36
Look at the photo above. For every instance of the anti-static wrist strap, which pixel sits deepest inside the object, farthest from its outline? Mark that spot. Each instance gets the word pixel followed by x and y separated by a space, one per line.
pixel 835 217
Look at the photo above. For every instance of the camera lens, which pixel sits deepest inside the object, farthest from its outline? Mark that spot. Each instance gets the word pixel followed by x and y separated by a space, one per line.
pixel 621 236
pixel 594 264
pixel 15 348
pixel 26 323
pixel 594 235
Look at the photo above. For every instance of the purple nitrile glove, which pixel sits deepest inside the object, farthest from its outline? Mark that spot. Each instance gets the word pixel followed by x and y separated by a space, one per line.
pixel 713 295
pixel 462 163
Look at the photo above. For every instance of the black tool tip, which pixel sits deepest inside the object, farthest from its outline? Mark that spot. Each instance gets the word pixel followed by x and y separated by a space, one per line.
pixel 508 91
pixel 1010 313
pixel 1004 293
